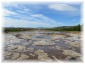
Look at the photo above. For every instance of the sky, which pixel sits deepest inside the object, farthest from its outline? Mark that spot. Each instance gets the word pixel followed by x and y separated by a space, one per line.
pixel 18 14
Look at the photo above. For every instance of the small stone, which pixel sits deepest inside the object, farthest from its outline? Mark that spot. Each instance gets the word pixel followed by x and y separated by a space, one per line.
pixel 7 53
pixel 39 52
pixel 79 58
pixel 73 49
pixel 53 47
pixel 17 48
pixel 25 50
pixel 31 54
pixel 58 48
pixel 44 58
pixel 23 57
pixel 55 58
pixel 73 58
pixel 20 48
pixel 15 56
pixel 7 56
pixel 13 47
pixel 30 49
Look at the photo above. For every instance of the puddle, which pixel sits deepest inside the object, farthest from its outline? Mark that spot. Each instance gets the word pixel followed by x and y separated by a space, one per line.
pixel 42 37
pixel 46 48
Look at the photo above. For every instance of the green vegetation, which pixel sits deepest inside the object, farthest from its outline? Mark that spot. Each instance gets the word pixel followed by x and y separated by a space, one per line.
pixel 17 29
pixel 63 28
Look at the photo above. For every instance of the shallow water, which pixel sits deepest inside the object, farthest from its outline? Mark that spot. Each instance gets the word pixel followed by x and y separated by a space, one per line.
pixel 37 36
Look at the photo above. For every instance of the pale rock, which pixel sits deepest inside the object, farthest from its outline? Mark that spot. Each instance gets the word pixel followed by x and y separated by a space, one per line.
pixel 58 48
pixel 20 48
pixel 17 48
pixel 9 38
pixel 7 56
pixel 7 53
pixel 42 56
pixel 25 36
pixel 53 47
pixel 75 44
pixel 23 57
pixel 31 54
pixel 73 58
pixel 56 58
pixel 57 36
pixel 71 53
pixel 30 49
pixel 15 56
pixel 13 47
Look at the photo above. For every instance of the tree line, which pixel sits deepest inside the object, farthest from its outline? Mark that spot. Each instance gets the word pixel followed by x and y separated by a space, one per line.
pixel 65 28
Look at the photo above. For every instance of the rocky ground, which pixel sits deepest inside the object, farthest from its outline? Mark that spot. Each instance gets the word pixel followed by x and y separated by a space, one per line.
pixel 43 46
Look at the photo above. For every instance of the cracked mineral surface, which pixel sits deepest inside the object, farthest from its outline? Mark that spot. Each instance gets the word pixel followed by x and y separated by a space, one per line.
pixel 43 46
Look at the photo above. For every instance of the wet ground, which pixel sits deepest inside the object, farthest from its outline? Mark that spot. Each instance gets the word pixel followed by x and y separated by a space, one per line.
pixel 43 46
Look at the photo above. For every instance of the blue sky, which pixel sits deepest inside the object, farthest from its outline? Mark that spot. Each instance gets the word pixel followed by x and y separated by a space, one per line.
pixel 41 14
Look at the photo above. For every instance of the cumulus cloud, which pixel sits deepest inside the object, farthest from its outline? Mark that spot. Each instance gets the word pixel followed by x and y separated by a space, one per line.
pixel 62 7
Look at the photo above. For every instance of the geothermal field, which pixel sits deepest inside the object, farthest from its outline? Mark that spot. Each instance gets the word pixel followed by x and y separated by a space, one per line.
pixel 43 46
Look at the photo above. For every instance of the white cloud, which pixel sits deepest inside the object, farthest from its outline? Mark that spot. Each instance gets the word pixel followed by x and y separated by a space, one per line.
pixel 26 10
pixel 23 23
pixel 44 18
pixel 10 3
pixel 32 17
pixel 23 9
pixel 8 12
pixel 28 19
pixel 62 7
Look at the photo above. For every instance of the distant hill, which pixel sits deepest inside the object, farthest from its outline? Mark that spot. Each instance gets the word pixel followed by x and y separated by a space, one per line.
pixel 66 28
